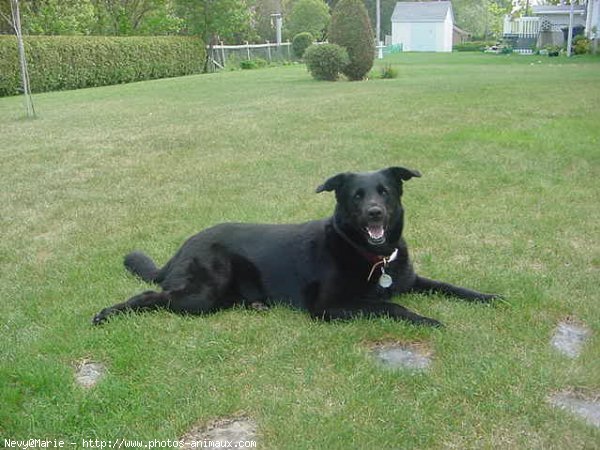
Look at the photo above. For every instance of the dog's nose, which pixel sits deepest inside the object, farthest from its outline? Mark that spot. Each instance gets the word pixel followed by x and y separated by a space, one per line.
pixel 375 213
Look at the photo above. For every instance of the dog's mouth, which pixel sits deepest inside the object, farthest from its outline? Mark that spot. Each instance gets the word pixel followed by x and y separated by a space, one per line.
pixel 375 234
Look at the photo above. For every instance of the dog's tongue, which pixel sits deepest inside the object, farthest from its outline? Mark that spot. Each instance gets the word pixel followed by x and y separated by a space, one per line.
pixel 376 232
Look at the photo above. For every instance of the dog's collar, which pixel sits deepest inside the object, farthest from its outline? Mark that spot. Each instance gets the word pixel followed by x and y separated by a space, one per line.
pixel 373 258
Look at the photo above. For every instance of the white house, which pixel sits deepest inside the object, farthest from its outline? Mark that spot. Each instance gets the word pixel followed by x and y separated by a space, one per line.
pixel 557 16
pixel 552 21
pixel 423 26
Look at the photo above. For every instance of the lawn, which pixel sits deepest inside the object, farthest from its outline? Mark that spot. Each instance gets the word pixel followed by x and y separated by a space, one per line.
pixel 509 149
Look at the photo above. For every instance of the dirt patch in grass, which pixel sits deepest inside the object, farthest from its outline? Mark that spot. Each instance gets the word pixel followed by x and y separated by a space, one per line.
pixel 88 373
pixel 585 406
pixel 226 431
pixel 569 337
pixel 402 355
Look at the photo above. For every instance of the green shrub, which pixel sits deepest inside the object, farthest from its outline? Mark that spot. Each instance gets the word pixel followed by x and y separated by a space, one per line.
pixel 350 28
pixel 473 46
pixel 72 62
pixel 256 63
pixel 326 61
pixel 388 72
pixel 248 64
pixel 581 45
pixel 301 42
pixel 553 50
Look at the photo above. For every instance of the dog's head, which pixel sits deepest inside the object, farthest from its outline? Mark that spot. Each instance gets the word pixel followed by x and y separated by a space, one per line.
pixel 368 204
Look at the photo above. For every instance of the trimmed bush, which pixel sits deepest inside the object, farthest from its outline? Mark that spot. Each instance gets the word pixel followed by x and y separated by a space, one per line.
pixel 301 42
pixel 473 46
pixel 351 28
pixel 326 61
pixel 73 62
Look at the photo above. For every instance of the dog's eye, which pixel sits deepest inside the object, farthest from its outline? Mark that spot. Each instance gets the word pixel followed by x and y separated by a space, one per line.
pixel 383 191
pixel 359 195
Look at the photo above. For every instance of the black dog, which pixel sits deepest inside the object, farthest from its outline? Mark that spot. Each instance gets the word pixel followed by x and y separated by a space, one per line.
pixel 342 267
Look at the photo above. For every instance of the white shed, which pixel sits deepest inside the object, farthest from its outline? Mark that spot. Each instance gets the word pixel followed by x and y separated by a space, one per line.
pixel 423 26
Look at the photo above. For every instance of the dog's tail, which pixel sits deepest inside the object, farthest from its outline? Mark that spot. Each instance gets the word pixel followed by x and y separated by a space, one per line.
pixel 142 266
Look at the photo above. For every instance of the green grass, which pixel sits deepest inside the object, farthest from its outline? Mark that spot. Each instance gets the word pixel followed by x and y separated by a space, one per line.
pixel 508 203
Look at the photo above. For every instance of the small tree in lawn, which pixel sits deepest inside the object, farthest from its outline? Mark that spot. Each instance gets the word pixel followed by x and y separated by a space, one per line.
pixel 350 28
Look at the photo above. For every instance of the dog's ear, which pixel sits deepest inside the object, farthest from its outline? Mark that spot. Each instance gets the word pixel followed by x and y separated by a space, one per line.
pixel 334 183
pixel 400 174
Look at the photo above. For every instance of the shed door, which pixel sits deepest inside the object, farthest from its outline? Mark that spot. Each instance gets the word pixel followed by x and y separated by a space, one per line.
pixel 424 37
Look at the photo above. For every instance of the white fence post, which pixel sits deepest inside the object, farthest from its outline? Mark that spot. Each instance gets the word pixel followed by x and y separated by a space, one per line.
pixel 507 27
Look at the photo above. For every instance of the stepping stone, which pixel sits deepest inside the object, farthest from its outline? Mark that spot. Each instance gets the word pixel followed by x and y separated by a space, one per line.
pixel 230 430
pixel 88 373
pixel 402 356
pixel 587 409
pixel 569 338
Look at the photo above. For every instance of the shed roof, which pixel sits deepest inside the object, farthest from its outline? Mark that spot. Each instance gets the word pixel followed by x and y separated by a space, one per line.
pixel 421 11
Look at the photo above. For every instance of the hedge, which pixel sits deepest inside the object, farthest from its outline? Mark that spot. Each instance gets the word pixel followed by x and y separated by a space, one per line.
pixel 473 46
pixel 73 62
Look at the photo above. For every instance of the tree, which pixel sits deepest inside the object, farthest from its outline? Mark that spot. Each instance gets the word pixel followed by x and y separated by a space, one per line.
pixel 135 17
pixel 104 17
pixel 56 17
pixel 350 28
pixel 311 16
pixel 214 20
pixel 387 9
pixel 482 18
pixel 264 26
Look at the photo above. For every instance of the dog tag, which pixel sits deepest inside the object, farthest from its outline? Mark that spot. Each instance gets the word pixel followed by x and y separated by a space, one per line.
pixel 385 281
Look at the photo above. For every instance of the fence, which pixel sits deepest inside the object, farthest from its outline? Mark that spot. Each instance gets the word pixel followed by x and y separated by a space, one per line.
pixel 522 26
pixel 522 33
pixel 222 56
